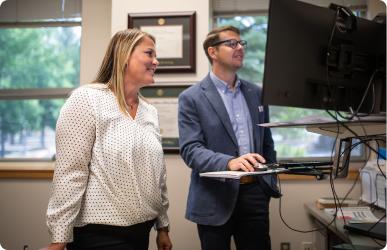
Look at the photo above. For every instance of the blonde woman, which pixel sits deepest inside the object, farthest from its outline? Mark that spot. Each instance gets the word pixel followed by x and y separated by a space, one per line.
pixel 109 185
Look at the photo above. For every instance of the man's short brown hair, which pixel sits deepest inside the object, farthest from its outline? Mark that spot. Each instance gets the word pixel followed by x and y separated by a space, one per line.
pixel 213 37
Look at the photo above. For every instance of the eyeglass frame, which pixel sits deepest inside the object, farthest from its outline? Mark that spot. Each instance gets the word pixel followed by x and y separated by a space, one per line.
pixel 229 40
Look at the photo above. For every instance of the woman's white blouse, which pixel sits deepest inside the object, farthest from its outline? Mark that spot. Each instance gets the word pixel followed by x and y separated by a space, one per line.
pixel 109 168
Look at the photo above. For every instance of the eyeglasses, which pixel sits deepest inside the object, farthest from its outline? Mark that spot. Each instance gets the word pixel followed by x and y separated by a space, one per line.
pixel 233 43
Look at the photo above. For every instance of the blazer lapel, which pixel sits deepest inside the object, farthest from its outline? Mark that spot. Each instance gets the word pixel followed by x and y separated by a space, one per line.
pixel 213 96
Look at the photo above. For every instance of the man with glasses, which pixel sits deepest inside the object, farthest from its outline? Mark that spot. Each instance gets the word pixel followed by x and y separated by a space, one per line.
pixel 218 131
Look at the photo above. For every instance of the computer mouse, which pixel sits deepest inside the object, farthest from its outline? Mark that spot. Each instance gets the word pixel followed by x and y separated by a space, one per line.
pixel 261 167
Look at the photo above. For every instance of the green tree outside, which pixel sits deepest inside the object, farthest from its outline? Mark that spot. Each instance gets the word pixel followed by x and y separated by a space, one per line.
pixel 35 58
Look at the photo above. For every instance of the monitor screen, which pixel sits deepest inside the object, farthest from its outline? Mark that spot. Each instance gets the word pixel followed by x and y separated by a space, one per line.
pixel 301 70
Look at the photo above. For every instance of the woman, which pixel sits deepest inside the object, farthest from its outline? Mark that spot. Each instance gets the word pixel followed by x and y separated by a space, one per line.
pixel 109 185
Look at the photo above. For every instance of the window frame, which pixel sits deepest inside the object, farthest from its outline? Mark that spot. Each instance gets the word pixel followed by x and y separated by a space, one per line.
pixel 36 93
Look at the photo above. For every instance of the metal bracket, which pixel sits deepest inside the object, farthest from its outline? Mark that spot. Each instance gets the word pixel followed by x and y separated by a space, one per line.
pixel 337 171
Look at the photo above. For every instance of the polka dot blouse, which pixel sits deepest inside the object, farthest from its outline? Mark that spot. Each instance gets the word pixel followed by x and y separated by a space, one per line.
pixel 109 169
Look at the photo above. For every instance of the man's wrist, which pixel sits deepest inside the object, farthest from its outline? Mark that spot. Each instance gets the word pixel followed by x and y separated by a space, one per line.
pixel 229 164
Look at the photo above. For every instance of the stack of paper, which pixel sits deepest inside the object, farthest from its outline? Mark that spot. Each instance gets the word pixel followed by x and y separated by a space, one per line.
pixel 357 215
pixel 329 202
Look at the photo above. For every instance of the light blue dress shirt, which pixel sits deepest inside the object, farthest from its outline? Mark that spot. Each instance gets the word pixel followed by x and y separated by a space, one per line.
pixel 238 112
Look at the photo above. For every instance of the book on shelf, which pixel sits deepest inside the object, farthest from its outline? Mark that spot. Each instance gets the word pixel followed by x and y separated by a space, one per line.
pixel 329 202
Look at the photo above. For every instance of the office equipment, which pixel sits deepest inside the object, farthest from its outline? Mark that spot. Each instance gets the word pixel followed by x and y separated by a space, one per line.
pixel 378 231
pixel 298 64
pixel 373 183
pixel 369 127
pixel 353 247
pixel 368 187
pixel 317 169
pixel 381 187
pixel 337 229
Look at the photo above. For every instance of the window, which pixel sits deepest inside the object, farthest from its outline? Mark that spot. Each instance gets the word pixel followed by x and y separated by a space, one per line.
pixel 39 67
pixel 290 143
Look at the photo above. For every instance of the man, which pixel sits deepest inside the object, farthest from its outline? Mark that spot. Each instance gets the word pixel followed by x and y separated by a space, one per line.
pixel 218 132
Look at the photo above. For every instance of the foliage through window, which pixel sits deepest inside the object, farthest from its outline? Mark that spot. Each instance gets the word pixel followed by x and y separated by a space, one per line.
pixel 36 60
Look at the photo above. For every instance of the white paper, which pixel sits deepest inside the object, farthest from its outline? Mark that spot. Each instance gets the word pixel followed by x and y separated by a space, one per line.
pixel 357 215
pixel 169 40
pixel 167 109
pixel 239 174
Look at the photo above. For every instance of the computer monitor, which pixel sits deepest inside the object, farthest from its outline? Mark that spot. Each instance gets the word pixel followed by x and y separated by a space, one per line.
pixel 300 73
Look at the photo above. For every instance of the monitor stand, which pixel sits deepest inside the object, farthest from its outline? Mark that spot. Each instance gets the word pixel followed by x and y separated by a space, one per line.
pixel 344 136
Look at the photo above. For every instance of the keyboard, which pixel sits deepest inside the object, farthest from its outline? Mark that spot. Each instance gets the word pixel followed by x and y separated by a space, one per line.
pixel 287 165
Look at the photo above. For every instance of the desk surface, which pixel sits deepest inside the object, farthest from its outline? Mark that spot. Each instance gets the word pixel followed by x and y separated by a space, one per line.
pixel 356 239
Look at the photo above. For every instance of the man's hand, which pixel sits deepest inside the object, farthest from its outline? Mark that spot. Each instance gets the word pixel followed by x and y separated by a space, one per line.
pixel 55 246
pixel 163 241
pixel 243 162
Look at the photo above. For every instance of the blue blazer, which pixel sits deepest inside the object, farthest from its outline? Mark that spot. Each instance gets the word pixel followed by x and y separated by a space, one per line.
pixel 208 143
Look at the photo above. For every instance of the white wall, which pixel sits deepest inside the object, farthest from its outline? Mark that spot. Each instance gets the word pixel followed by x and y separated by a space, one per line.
pixel 96 19
pixel 375 7
pixel 23 205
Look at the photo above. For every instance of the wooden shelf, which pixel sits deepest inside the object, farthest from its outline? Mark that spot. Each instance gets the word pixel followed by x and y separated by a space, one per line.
pixel 352 174
pixel 26 173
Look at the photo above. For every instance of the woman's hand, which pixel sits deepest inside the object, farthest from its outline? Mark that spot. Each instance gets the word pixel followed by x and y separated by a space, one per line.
pixel 163 241
pixel 55 246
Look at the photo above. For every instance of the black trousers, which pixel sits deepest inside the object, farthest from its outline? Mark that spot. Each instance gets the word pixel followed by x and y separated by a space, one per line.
pixel 249 223
pixel 106 237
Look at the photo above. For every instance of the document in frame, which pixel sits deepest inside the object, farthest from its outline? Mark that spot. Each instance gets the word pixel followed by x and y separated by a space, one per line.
pixel 169 40
pixel 167 109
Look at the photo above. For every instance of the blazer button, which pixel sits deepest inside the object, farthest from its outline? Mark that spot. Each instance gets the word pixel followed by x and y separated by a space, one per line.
pixel 236 153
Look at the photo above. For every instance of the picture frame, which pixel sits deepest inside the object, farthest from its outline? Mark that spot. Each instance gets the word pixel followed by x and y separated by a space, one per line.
pixel 165 100
pixel 175 38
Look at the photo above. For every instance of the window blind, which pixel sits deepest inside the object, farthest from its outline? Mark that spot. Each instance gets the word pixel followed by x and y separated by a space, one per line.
pixel 249 7
pixel 14 11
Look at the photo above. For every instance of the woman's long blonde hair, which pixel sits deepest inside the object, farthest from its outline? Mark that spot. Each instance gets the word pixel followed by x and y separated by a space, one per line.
pixel 113 65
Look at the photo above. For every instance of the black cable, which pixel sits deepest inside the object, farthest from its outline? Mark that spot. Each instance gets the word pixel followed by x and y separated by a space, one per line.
pixel 330 90
pixel 335 196
pixel 353 186
pixel 356 136
pixel 341 123
pixel 338 121
pixel 369 84
pixel 364 96
pixel 353 146
pixel 338 205
pixel 280 213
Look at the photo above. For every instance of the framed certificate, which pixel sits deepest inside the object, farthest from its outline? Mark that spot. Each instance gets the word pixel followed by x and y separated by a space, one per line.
pixel 175 38
pixel 165 100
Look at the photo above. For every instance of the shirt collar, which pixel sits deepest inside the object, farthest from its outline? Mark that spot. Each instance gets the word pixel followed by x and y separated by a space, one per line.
pixel 222 85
